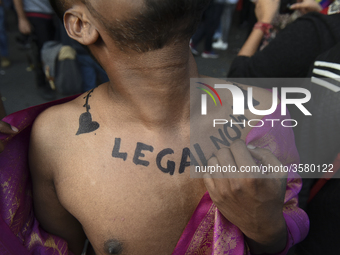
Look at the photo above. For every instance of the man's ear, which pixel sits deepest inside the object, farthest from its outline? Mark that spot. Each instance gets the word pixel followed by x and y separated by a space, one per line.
pixel 79 27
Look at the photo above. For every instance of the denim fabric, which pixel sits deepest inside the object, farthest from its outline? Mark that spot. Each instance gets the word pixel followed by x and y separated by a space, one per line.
pixel 226 20
pixel 90 70
pixel 43 31
pixel 210 22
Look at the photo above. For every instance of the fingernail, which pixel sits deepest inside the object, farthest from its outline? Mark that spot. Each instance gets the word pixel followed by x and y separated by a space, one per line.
pixel 251 147
pixel 14 129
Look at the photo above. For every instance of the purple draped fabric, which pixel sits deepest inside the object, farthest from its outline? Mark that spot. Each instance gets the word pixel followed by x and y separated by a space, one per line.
pixel 207 232
pixel 22 234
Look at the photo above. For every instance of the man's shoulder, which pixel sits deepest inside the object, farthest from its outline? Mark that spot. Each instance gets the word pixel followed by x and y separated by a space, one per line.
pixel 57 123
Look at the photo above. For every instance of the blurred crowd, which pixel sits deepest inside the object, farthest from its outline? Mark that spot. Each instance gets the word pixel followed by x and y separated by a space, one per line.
pixel 54 54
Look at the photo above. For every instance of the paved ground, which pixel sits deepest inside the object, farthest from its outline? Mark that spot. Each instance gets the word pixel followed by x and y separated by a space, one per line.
pixel 17 84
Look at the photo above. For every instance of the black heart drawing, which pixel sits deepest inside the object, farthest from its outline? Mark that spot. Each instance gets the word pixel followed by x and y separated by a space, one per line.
pixel 86 125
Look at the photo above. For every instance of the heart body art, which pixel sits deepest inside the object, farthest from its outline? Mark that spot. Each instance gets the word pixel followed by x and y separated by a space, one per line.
pixel 141 155
pixel 86 125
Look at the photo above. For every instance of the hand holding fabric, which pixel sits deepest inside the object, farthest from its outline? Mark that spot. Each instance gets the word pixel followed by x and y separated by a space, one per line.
pixel 253 204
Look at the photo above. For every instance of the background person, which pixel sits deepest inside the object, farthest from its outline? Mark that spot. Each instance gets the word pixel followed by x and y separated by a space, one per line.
pixel 226 19
pixel 3 39
pixel 291 54
pixel 35 18
pixel 206 30
pixel 294 49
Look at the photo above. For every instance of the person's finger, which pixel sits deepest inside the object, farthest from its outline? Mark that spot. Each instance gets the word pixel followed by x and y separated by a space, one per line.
pixel 218 162
pixel 209 182
pixel 266 157
pixel 298 6
pixel 212 166
pixel 225 178
pixel 242 156
pixel 7 128
pixel 226 158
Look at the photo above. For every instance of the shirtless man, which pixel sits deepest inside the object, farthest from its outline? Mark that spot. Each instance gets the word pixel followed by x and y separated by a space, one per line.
pixel 94 160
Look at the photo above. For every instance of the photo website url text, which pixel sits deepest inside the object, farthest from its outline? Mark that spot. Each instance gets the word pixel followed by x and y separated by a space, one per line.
pixel 266 169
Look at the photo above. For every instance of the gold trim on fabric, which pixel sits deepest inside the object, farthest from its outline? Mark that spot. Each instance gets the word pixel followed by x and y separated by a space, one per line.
pixel 201 243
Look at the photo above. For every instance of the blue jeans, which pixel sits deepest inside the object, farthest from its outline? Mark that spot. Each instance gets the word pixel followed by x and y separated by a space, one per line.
pixel 90 70
pixel 210 22
pixel 226 20
pixel 3 35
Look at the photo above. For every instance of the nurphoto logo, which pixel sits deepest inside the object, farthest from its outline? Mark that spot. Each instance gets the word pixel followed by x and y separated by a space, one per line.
pixel 239 103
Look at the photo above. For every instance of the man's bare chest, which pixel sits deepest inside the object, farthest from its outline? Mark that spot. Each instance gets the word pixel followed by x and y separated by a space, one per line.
pixel 135 186
pixel 117 166
pixel 133 190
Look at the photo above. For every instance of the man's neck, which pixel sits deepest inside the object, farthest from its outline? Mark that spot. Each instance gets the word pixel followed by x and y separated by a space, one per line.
pixel 154 87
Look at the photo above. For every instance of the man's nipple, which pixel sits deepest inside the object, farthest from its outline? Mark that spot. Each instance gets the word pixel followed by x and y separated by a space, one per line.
pixel 113 246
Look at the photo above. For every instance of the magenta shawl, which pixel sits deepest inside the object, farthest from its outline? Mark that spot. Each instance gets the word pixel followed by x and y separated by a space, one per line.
pixel 207 232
